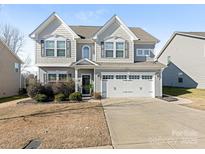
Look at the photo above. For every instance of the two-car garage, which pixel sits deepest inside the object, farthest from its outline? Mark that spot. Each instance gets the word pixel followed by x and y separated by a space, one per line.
pixel 131 84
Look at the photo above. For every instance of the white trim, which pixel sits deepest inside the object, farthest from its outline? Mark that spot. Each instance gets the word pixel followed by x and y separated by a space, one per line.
pixel 114 48
pixel 82 83
pixel 82 51
pixel 55 39
pixel 110 21
pixel 95 51
pixel 143 52
pixel 57 72
pixel 45 23
pixel 85 60
pixel 76 80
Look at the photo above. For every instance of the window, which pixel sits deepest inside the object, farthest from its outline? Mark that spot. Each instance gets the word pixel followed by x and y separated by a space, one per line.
pixel 52 77
pixel 144 52
pixel 108 76
pixel 120 46
pixel 132 77
pixel 109 48
pixel 50 48
pixel 140 52
pixel 147 52
pixel 86 52
pixel 180 79
pixel 62 77
pixel 121 76
pixel 16 65
pixel 61 48
pixel 168 59
pixel 146 77
pixel 55 47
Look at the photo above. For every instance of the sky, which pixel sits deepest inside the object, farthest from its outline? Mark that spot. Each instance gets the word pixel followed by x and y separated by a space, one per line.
pixel 159 20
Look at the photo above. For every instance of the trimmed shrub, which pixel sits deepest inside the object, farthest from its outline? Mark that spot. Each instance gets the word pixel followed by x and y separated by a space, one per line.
pixel 69 87
pixel 34 89
pixel 60 97
pixel 41 98
pixel 76 96
pixel 97 95
pixel 65 88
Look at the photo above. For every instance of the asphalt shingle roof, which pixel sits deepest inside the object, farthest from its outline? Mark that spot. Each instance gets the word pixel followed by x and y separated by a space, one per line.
pixel 89 31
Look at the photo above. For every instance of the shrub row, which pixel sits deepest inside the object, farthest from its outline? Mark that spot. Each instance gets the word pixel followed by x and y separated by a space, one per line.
pixel 54 91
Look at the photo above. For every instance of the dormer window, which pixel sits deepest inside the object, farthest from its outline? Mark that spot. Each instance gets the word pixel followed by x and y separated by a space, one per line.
pixel 55 47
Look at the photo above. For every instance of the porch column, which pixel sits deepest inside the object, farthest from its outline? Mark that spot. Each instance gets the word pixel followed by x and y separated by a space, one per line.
pixel 94 88
pixel 76 80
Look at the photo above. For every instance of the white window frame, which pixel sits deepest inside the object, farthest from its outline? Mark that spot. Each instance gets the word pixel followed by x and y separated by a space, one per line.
pixel 109 49
pixel 56 39
pixel 119 49
pixel 143 52
pixel 57 75
pixel 114 41
pixel 49 48
pixel 84 46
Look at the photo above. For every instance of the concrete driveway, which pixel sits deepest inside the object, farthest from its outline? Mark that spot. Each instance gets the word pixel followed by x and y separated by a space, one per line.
pixel 153 123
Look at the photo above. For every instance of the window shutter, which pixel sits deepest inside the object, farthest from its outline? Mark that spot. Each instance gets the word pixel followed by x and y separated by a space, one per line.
pixel 68 48
pixel 42 48
pixel 126 49
pixel 102 50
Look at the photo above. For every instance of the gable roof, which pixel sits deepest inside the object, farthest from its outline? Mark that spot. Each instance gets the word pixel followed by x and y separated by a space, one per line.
pixel 118 20
pixel 89 32
pixel 48 21
pixel 198 35
pixel 12 53
pixel 84 61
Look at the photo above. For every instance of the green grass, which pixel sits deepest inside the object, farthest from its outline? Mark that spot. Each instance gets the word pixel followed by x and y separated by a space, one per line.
pixel 12 98
pixel 185 92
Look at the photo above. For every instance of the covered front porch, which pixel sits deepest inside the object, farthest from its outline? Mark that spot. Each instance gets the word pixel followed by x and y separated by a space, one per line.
pixel 85 77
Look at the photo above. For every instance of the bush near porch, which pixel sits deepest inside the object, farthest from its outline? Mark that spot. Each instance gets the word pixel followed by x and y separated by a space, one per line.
pixel 58 91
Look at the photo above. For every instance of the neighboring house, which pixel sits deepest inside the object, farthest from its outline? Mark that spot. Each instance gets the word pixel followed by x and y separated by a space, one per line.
pixel 117 60
pixel 10 71
pixel 184 55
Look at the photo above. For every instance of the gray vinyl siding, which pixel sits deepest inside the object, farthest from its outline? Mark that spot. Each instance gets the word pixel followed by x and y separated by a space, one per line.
pixel 143 58
pixel 55 28
pixel 9 78
pixel 79 50
pixel 114 30
pixel 187 56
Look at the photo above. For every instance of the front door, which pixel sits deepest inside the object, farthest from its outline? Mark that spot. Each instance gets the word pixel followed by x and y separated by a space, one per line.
pixel 86 84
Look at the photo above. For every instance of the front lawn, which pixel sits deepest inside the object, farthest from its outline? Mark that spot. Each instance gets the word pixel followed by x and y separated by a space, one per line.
pixel 68 125
pixel 196 95
pixel 12 98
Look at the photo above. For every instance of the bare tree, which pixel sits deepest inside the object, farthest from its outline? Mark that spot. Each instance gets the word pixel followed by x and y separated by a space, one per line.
pixel 26 64
pixel 12 37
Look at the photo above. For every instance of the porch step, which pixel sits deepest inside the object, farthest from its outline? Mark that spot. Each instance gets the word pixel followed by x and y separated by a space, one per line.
pixel 86 98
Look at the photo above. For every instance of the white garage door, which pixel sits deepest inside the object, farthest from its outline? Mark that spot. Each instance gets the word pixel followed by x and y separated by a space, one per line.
pixel 124 85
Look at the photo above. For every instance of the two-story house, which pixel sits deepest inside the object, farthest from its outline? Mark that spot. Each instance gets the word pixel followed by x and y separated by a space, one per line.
pixel 117 60
pixel 184 55
pixel 10 72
